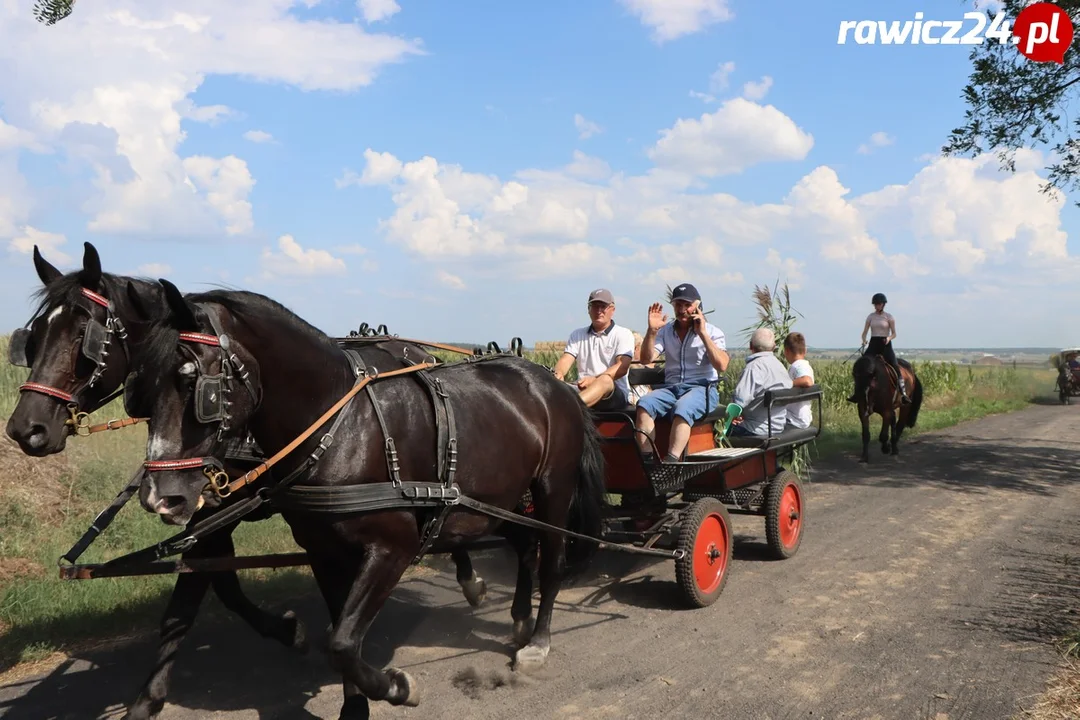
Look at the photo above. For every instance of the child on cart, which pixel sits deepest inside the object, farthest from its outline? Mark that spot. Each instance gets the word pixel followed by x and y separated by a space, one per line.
pixel 799 414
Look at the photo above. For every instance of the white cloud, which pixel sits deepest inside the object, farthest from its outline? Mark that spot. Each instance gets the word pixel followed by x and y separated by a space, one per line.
pixel 138 65
pixel 451 281
pixel 878 139
pixel 738 135
pixel 293 260
pixel 377 10
pixel 586 128
pixel 156 270
pixel 964 214
pixel 718 82
pixel 587 167
pixel 757 90
pixel 789 269
pixel 49 244
pixel 227 184
pixel 671 19
pixel 258 136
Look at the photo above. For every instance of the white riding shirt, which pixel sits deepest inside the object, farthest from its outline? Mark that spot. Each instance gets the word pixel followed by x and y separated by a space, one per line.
pixel 879 324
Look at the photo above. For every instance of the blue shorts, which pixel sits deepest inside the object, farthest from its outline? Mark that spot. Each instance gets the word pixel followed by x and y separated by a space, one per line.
pixel 682 400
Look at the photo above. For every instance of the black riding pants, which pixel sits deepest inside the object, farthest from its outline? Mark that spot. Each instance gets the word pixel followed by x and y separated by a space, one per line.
pixel 878 346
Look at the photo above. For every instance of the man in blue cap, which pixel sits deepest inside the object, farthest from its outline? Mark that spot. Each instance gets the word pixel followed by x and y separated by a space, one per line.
pixel 696 354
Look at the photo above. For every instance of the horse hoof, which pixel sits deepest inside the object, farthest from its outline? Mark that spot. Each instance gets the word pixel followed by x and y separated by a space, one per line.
pixel 402 688
pixel 475 590
pixel 144 709
pixel 530 658
pixel 298 638
pixel 864 460
pixel 523 631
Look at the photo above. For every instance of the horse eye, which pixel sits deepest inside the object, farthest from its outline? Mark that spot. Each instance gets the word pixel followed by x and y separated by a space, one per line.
pixel 187 370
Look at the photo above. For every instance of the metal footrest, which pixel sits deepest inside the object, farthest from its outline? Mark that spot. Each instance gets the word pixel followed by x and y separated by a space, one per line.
pixel 743 497
pixel 670 477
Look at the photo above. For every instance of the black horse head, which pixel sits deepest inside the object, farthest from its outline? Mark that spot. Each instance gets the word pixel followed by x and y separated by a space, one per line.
pixel 76 345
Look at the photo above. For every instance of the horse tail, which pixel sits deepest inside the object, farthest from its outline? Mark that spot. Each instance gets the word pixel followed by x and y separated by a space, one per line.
pixel 587 506
pixel 916 401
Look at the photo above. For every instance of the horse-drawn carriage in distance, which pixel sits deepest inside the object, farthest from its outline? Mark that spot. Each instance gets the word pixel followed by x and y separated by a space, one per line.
pixel 1067 363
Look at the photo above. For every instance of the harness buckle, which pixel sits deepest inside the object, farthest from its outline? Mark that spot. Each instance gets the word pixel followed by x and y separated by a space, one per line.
pixel 79 421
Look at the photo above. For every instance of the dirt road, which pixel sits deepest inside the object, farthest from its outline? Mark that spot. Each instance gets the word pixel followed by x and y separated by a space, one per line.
pixel 926 587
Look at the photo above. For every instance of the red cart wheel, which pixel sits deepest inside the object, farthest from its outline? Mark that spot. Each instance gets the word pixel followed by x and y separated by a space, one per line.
pixel 705 539
pixel 784 513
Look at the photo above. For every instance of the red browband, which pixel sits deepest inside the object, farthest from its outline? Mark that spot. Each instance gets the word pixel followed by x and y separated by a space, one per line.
pixel 46 390
pixel 189 464
pixel 200 338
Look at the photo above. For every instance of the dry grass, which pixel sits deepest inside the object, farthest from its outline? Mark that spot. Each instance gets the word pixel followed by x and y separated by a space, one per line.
pixel 1061 701
pixel 40 486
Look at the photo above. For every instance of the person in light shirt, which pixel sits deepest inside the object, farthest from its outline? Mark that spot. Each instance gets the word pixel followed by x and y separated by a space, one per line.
pixel 799 415
pixel 763 372
pixel 695 353
pixel 882 328
pixel 602 351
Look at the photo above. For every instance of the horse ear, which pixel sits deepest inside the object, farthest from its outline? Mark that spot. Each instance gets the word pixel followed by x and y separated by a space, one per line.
pixel 90 275
pixel 183 315
pixel 45 270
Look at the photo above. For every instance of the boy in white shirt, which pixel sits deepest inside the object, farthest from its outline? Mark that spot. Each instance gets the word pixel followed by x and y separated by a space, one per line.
pixel 799 414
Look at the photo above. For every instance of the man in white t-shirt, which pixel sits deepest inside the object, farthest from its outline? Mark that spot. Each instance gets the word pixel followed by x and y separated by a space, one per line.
pixel 799 415
pixel 602 351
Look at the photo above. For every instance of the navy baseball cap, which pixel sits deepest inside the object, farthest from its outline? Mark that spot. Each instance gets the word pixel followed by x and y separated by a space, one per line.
pixel 686 292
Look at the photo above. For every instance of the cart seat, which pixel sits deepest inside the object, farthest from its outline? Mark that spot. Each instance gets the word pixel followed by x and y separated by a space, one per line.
pixel 790 436
pixel 629 413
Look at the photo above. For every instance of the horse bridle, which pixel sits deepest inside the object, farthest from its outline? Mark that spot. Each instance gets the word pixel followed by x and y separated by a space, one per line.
pixel 211 403
pixel 96 340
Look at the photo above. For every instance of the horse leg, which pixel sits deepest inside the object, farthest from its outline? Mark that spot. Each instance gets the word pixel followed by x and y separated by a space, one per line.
pixel 286 628
pixel 179 616
pixel 472 585
pixel 883 436
pixel 524 543
pixel 896 427
pixel 552 509
pixel 865 418
pixel 380 570
pixel 333 584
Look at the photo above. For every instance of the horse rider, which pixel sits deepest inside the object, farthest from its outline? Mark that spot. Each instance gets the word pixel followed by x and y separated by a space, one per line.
pixel 882 329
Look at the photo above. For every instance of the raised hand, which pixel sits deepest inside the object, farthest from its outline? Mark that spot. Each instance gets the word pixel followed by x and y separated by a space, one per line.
pixel 657 317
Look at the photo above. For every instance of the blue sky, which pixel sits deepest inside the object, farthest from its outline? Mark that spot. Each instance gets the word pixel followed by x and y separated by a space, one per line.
pixel 470 171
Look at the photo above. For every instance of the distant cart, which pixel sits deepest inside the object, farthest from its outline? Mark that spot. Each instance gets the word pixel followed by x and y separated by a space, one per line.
pixel 1067 363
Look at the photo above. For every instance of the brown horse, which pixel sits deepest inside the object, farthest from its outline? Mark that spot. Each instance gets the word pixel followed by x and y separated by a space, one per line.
pixel 877 392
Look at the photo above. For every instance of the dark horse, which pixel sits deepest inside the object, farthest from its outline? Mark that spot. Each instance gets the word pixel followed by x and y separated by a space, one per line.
pixel 515 430
pixel 877 392
pixel 85 328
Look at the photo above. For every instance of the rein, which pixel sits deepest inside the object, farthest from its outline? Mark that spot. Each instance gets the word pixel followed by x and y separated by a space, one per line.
pixel 219 480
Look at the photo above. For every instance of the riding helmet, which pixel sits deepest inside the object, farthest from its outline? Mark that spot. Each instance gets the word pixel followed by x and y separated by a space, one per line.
pixel 879 298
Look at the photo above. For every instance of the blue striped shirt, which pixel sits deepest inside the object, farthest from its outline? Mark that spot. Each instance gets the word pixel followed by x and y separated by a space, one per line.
pixel 688 361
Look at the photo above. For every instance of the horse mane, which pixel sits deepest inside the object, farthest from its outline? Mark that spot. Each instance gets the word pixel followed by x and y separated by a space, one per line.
pixel 246 308
pixel 864 370
pixel 68 289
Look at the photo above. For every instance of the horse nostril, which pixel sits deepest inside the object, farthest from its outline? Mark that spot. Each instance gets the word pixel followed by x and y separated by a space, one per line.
pixel 169 505
pixel 38 436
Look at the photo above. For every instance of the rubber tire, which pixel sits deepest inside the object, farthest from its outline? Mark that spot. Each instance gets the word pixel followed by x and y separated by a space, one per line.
pixel 708 512
pixel 774 495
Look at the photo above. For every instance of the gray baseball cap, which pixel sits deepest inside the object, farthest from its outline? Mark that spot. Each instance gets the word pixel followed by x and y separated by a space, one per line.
pixel 601 295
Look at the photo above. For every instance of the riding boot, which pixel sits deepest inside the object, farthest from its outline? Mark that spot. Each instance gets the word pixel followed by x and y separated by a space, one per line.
pixel 904 399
